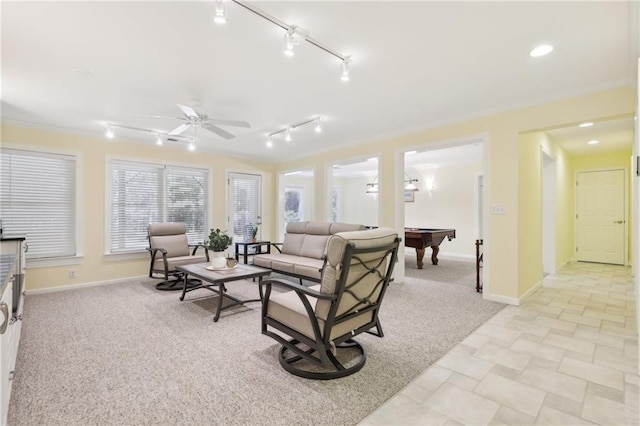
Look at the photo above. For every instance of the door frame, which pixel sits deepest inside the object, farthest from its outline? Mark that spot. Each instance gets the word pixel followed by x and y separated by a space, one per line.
pixel 625 171
pixel 264 220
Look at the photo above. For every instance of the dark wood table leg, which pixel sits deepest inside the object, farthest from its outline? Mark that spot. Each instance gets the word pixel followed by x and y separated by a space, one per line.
pixel 184 286
pixel 221 290
pixel 419 257
pixel 434 254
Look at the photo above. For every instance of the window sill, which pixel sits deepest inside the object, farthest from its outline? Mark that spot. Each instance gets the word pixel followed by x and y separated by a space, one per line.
pixel 134 255
pixel 57 261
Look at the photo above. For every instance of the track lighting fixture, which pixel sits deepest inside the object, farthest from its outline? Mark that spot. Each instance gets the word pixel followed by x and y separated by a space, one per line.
pixel 345 68
pixel 287 130
pixel 159 136
pixel 294 35
pixel 192 146
pixel 220 16
pixel 288 42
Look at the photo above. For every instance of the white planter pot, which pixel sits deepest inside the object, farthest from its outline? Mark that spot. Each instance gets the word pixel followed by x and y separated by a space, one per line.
pixel 218 259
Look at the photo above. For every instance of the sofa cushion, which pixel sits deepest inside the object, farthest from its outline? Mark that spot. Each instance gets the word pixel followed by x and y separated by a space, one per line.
pixel 289 264
pixel 288 309
pixel 173 262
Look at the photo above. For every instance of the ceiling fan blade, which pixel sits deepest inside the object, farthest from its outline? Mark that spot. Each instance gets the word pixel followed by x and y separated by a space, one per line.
pixel 188 111
pixel 180 129
pixel 164 117
pixel 233 123
pixel 218 131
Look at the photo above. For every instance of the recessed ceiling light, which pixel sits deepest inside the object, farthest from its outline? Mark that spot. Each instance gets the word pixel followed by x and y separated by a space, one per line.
pixel 587 124
pixel 593 142
pixel 543 49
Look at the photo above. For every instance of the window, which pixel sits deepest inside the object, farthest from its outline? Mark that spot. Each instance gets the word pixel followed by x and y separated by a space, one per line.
pixel 143 193
pixel 38 198
pixel 293 206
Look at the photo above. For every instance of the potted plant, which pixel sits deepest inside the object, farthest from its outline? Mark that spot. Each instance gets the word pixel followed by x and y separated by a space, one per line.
pixel 254 232
pixel 218 242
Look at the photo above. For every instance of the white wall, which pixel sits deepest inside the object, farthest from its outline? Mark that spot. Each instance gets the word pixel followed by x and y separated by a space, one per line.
pixel 450 204
pixel 354 205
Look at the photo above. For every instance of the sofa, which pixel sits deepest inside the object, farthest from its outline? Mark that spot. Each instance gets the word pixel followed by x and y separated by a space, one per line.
pixel 302 252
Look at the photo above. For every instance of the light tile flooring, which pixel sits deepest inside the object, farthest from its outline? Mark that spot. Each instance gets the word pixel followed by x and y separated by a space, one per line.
pixel 566 356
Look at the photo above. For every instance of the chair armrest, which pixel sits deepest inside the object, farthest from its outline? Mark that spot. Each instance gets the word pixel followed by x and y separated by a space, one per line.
pixel 197 246
pixel 276 246
pixel 298 288
pixel 153 251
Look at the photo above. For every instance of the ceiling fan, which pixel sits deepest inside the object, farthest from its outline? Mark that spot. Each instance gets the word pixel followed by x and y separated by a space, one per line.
pixel 202 119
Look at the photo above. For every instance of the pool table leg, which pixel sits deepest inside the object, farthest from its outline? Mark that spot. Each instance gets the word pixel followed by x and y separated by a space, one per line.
pixel 419 256
pixel 434 255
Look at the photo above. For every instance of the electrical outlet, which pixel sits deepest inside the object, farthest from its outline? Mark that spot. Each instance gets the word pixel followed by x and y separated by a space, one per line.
pixel 72 273
pixel 498 209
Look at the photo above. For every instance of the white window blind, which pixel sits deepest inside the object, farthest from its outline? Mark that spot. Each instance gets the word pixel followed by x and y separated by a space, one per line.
pixel 38 199
pixel 144 193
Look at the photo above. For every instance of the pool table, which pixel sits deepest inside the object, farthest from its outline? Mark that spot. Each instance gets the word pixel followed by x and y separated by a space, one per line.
pixel 419 238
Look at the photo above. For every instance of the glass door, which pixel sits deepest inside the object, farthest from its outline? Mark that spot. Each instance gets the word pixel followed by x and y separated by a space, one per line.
pixel 244 201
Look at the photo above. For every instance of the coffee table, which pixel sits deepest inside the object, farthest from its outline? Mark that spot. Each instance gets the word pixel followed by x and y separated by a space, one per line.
pixel 218 278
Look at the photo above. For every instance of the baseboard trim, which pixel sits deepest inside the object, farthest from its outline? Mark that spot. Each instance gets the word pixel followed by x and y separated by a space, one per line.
pixel 456 256
pixel 83 285
pixel 502 299
pixel 531 291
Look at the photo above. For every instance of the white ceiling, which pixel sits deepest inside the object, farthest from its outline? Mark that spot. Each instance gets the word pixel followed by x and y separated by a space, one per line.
pixel 415 65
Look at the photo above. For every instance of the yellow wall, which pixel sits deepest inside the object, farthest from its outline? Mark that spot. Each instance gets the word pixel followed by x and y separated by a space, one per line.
pixel 94 266
pixel 502 133
pixel 531 146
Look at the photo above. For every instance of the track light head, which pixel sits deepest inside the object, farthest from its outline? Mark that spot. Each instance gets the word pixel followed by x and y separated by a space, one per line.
pixel 220 16
pixel 318 125
pixel 287 135
pixel 192 146
pixel 110 133
pixel 158 139
pixel 270 142
pixel 345 69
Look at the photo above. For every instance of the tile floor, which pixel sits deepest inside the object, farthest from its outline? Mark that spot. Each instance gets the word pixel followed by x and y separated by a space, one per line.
pixel 566 356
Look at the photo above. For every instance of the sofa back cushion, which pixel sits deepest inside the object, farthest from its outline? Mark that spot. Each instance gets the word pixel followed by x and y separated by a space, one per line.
pixel 360 283
pixel 170 236
pixel 309 239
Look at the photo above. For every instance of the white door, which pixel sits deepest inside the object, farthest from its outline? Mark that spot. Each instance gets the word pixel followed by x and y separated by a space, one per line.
pixel 244 204
pixel 600 216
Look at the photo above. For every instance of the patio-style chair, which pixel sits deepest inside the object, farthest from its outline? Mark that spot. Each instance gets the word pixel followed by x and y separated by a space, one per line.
pixel 316 325
pixel 170 248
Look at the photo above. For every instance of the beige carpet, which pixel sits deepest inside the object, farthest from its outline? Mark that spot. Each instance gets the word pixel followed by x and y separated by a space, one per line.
pixel 127 354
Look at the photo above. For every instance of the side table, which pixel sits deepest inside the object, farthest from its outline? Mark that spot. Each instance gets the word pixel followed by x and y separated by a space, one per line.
pixel 242 249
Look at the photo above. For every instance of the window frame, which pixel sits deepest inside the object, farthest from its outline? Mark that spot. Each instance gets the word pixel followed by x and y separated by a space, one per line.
pixel 165 165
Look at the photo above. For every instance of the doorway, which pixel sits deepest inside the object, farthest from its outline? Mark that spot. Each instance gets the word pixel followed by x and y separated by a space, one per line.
pixel 245 205
pixel 600 218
